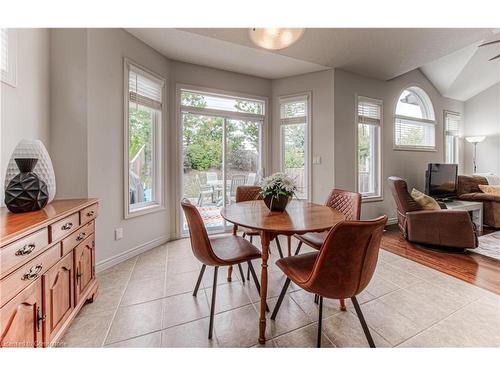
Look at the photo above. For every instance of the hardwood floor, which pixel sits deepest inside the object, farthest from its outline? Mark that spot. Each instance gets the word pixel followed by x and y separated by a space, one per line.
pixel 473 268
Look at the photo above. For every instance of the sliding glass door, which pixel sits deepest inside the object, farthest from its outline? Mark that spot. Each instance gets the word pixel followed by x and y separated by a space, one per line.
pixel 220 151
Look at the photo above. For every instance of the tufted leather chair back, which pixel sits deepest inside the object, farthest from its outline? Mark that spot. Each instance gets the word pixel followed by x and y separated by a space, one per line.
pixel 347 202
pixel 247 193
pixel 404 201
pixel 202 249
pixel 347 259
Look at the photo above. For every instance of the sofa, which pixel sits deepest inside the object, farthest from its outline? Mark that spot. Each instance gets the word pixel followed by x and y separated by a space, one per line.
pixel 468 190
pixel 442 228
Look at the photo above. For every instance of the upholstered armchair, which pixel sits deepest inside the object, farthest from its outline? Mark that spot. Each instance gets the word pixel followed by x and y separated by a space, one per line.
pixel 446 228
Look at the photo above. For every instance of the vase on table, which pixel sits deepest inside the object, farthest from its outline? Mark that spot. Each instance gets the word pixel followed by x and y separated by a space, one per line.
pixel 26 191
pixel 277 203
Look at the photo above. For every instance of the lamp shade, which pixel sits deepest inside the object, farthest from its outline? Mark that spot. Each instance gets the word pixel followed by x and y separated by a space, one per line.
pixel 275 38
pixel 475 139
pixel 33 148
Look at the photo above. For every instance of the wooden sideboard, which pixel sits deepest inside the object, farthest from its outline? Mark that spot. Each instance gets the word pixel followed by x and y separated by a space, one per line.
pixel 47 270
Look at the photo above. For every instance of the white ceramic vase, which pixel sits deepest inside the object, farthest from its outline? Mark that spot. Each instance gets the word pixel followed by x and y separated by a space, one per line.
pixel 33 148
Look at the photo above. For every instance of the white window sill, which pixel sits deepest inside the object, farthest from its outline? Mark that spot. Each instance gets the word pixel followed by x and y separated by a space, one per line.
pixel 370 199
pixel 139 211
pixel 419 149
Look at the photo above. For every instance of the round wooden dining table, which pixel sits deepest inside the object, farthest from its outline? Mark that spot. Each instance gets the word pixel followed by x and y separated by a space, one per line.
pixel 300 217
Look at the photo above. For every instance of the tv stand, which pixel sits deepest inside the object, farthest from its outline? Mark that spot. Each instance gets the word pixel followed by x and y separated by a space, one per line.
pixel 445 200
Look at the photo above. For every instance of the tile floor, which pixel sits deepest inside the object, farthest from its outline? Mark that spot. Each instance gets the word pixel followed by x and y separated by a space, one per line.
pixel 147 302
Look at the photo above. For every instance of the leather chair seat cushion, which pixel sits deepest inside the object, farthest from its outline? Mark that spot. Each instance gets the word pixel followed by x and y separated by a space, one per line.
pixel 234 249
pixel 490 189
pixel 298 268
pixel 315 240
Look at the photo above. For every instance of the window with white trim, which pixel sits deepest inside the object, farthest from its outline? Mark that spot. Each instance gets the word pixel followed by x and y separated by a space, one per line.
pixel 369 123
pixel 8 58
pixel 414 121
pixel 144 111
pixel 451 134
pixel 295 124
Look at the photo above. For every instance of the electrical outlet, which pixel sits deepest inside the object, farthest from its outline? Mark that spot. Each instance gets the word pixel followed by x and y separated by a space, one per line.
pixel 316 160
pixel 118 233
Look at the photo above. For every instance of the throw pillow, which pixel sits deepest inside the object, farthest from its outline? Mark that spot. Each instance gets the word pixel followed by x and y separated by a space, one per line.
pixel 426 202
pixel 490 189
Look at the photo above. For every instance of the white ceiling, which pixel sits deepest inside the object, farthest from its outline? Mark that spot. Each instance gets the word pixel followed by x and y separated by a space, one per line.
pixel 444 54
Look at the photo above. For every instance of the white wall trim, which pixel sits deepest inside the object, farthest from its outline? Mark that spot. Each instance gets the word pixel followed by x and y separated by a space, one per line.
pixel 110 262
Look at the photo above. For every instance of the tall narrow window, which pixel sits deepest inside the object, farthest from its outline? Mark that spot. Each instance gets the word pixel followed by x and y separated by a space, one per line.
pixel 414 122
pixel 369 122
pixel 143 132
pixel 295 123
pixel 451 129
pixel 8 52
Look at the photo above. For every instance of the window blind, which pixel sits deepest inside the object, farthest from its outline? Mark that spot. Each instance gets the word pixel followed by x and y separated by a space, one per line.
pixel 452 123
pixel 293 110
pixel 4 50
pixel 414 133
pixel 144 90
pixel 369 113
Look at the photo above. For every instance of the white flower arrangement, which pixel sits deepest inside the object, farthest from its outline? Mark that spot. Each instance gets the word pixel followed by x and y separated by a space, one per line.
pixel 278 184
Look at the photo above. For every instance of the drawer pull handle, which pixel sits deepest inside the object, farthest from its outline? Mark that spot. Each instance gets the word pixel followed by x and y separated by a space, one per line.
pixel 90 213
pixel 27 249
pixel 81 236
pixel 67 226
pixel 32 273
pixel 40 318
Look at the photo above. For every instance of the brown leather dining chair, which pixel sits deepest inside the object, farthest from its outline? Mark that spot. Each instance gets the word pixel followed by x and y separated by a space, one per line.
pixel 216 252
pixel 347 202
pixel 341 269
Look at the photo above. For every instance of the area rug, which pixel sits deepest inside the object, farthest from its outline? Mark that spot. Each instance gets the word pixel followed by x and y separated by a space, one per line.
pixel 489 245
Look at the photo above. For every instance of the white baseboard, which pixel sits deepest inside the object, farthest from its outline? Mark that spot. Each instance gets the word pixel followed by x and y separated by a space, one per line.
pixel 110 262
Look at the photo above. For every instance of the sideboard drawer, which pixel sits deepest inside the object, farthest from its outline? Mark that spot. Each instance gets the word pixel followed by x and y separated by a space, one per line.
pixel 88 213
pixel 26 274
pixel 22 250
pixel 70 242
pixel 64 226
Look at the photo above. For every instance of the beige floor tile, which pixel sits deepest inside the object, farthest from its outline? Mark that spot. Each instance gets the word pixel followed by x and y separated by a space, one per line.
pixel 181 283
pixel 208 276
pixel 305 337
pixel 434 295
pixel 184 308
pixel 189 335
pixel 379 286
pixel 116 275
pixel 275 282
pixel 345 331
pixel 306 302
pixel 458 287
pixel 290 317
pixel 476 325
pixel 135 320
pixel 89 330
pixel 269 344
pixel 143 290
pixel 395 275
pixel 391 325
pixel 387 257
pixel 150 265
pixel 416 269
pixel 107 299
pixel 151 340
pixel 183 264
pixel 237 328
pixel 228 296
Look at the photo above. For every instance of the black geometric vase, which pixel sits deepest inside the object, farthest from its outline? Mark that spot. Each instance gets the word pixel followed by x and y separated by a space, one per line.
pixel 26 192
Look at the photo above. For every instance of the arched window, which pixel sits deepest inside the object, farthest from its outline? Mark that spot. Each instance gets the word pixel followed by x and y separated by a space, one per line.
pixel 414 121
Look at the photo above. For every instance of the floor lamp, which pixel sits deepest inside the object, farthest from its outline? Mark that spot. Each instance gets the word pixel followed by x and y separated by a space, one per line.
pixel 475 140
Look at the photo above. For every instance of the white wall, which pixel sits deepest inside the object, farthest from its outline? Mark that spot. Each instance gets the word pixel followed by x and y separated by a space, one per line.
pixel 25 108
pixel 482 117
pixel 410 165
pixel 321 85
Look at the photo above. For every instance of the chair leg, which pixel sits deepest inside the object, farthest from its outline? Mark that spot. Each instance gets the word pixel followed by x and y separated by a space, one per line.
pixel 255 280
pixel 298 248
pixel 316 299
pixel 251 239
pixel 212 306
pixel 342 305
pixel 198 282
pixel 241 273
pixel 244 235
pixel 363 323
pixel 280 299
pixel 320 320
pixel 279 247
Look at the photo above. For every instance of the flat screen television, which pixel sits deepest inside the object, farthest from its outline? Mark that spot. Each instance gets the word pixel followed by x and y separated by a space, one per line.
pixel 441 180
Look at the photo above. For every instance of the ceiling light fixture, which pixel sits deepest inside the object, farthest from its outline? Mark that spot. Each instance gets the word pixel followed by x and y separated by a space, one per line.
pixel 275 38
